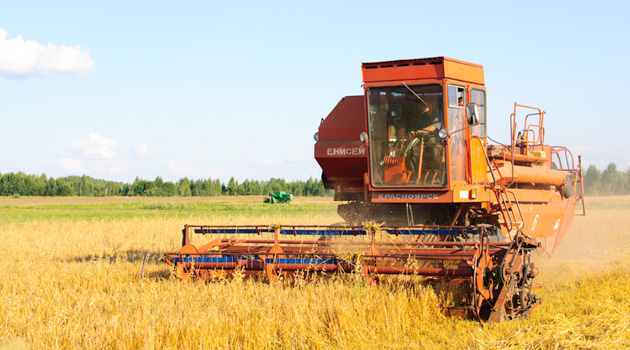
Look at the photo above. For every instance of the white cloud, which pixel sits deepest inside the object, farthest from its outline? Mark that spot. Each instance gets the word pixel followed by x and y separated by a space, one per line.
pixel 195 171
pixel 285 163
pixel 111 166
pixel 299 159
pixel 141 150
pixel 95 147
pixel 71 165
pixel 94 155
pixel 24 58
pixel 269 162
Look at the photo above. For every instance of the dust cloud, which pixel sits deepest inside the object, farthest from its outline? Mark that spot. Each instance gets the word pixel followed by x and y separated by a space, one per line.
pixel 595 243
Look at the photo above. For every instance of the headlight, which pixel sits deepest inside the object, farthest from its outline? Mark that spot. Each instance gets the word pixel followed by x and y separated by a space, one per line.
pixel 316 136
pixel 443 133
pixel 363 137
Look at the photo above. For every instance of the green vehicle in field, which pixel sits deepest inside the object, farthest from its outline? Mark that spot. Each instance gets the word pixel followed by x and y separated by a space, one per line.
pixel 278 197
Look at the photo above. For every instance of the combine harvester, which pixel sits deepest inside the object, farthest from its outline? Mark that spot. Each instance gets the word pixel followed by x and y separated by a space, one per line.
pixel 278 197
pixel 424 194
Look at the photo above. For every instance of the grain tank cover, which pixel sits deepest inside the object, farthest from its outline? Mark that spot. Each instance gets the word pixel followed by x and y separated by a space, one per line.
pixel 422 68
pixel 345 122
pixel 339 150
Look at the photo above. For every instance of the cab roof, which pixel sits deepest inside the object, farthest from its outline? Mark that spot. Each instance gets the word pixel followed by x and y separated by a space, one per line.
pixel 422 68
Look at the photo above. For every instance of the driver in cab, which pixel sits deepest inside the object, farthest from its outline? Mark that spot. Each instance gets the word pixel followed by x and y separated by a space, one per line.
pixel 425 142
pixel 428 122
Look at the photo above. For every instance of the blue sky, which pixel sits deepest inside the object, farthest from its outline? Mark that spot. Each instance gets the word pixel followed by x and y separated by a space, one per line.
pixel 121 89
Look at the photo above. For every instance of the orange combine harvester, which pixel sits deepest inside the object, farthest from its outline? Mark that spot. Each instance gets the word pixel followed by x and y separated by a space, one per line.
pixel 424 194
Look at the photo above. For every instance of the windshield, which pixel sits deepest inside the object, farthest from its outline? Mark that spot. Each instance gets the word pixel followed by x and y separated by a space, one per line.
pixel 405 149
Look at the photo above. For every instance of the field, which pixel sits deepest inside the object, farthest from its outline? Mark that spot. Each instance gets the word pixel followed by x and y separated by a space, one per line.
pixel 70 277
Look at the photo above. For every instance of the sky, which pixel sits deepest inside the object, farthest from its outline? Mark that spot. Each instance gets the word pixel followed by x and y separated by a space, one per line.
pixel 206 89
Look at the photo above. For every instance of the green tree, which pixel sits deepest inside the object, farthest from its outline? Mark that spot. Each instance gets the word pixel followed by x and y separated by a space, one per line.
pixel 64 188
pixel 137 188
pixel 232 187
pixel 169 189
pixel 591 180
pixel 612 180
pixel 184 187
pixel 51 188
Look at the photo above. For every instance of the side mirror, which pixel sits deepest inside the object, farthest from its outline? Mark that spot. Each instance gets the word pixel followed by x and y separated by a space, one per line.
pixel 472 111
pixel 363 137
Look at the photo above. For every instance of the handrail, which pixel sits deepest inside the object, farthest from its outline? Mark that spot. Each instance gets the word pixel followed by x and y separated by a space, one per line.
pixel 518 206
pixel 507 212
pixel 540 140
pixel 570 162
pixel 499 194
pixel 576 171
pixel 557 149
pixel 513 142
pixel 541 129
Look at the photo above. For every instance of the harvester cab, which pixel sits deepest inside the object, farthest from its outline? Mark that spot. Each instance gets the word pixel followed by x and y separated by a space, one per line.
pixel 424 128
pixel 424 194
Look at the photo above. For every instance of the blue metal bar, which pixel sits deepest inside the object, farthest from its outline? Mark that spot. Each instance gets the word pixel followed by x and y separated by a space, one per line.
pixel 203 259
pixel 337 231
pixel 231 259
pixel 231 230
pixel 430 231
pixel 324 232
pixel 308 261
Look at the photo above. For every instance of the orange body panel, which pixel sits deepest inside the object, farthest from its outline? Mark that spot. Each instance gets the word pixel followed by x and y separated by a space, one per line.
pixel 552 242
pixel 424 68
pixel 477 160
pixel 548 222
pixel 528 174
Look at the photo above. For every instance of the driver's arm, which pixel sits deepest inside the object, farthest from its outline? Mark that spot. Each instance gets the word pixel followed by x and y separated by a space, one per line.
pixel 427 129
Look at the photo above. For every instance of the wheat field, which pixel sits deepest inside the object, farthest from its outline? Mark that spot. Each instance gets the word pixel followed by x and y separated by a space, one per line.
pixel 72 283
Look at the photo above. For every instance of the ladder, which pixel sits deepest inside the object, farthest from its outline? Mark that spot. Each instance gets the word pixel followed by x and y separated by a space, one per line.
pixel 507 201
pixel 510 210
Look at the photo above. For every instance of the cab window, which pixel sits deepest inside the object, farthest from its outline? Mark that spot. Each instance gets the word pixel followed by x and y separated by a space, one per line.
pixel 478 96
pixel 405 149
pixel 456 96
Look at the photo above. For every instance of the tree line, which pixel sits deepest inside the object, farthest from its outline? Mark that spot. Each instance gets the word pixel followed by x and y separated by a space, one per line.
pixel 609 181
pixel 21 184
